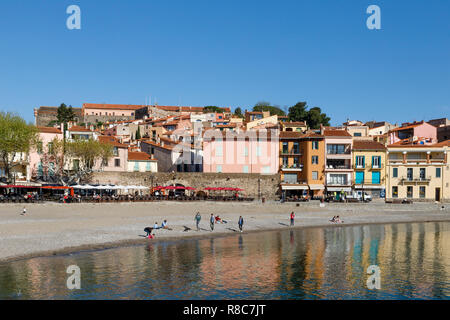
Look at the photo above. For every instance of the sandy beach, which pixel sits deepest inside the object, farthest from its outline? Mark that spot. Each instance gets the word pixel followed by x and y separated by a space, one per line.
pixel 52 228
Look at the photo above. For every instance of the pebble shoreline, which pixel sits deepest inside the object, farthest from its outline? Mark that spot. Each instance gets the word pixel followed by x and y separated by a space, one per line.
pixel 52 228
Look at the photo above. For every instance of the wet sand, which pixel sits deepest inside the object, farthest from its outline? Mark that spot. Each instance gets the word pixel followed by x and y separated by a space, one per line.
pixel 52 228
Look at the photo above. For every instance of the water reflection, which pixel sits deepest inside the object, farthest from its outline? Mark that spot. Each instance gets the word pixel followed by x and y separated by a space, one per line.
pixel 319 263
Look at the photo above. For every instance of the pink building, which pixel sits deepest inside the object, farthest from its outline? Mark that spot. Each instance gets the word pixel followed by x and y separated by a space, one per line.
pixel 414 131
pixel 118 162
pixel 252 151
pixel 37 167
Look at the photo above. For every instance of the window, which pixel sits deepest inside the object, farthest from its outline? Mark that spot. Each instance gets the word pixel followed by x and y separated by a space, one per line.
pixel 50 147
pixel 245 151
pixel 290 178
pixel 296 162
pixel 409 191
pixel 296 148
pixel 359 161
pixel 285 161
pixel 258 151
pixel 285 147
pixel 438 172
pixel 422 173
pixel 409 174
pixel 337 179
pixel 136 166
pixel 148 166
pixel 376 162
pixel 115 151
pixel 315 145
pixel 219 151
pixel 39 147
pixel 422 192
pixel 315 159
pixel 315 175
pixel 395 192
pixel 376 177
pixel 245 169
pixel 219 168
pixel 359 177
pixel 394 172
pixel 76 165
pixel 357 134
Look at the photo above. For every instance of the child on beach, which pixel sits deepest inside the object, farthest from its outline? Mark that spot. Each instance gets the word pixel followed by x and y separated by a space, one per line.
pixel 292 218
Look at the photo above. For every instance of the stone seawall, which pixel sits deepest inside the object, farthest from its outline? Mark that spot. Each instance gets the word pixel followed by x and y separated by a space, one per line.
pixel 254 184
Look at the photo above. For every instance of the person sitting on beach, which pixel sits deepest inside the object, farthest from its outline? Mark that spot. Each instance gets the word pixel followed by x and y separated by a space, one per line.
pixel 338 220
pixel 220 220
pixel 156 226
pixel 164 225
pixel 333 219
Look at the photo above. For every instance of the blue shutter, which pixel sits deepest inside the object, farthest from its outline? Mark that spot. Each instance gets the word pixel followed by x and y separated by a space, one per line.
pixel 376 177
pixel 359 177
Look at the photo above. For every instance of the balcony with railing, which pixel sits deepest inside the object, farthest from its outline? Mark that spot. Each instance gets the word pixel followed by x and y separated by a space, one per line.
pixel 292 152
pixel 293 167
pixel 337 165
pixel 415 180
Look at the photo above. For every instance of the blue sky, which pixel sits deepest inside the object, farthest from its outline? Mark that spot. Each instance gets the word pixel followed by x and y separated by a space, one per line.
pixel 230 53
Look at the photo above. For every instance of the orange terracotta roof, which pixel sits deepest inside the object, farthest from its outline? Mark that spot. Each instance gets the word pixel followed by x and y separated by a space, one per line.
pixel 367 145
pixel 112 141
pixel 336 133
pixel 79 129
pixel 398 144
pixel 445 143
pixel 49 130
pixel 139 156
pixel 157 145
pixel 409 126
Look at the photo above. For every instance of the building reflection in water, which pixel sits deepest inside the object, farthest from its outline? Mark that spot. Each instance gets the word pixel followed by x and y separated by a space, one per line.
pixel 312 263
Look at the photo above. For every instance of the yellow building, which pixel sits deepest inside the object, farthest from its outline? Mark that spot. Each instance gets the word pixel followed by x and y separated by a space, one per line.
pixel 369 163
pixel 418 172
pixel 297 126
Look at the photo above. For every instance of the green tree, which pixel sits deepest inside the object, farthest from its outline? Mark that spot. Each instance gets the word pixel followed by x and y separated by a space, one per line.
pixel 316 118
pixel 208 109
pixel 88 154
pixel 65 114
pixel 16 137
pixel 266 106
pixel 313 117
pixel 298 112
pixel 138 133
pixel 238 112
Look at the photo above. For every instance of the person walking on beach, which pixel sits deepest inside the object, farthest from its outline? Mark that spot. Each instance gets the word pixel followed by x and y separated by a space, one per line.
pixel 212 221
pixel 197 219
pixel 292 218
pixel 240 223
